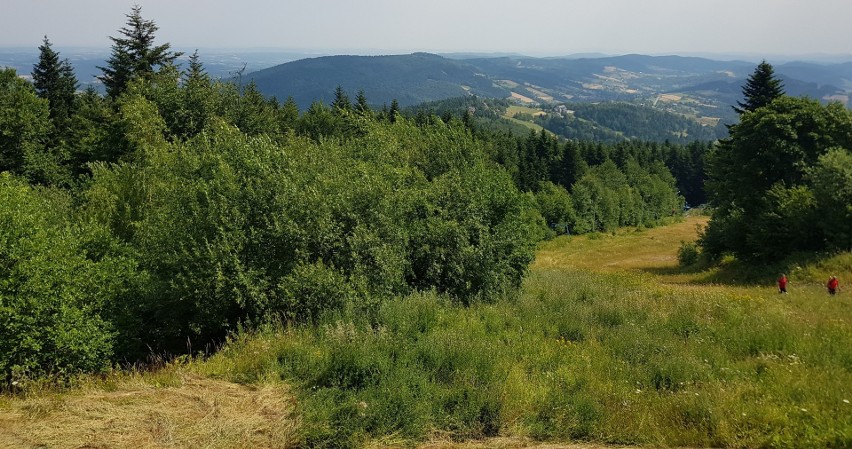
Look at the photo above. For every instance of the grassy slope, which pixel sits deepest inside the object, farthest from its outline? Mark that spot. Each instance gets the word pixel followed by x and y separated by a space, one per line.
pixel 512 110
pixel 608 342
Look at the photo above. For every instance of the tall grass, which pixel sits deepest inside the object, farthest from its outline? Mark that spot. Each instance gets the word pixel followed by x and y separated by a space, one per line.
pixel 608 341
pixel 577 356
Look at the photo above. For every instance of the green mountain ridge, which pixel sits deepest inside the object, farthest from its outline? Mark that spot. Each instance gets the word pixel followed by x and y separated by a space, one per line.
pixel 690 86
pixel 410 79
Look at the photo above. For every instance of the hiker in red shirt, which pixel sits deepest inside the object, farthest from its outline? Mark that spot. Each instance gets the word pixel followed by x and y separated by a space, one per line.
pixel 782 284
pixel 832 285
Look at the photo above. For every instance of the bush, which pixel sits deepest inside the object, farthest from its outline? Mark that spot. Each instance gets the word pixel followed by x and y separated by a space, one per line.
pixel 688 254
pixel 58 279
pixel 233 228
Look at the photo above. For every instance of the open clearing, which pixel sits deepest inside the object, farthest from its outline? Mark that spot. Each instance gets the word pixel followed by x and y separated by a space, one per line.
pixel 522 98
pixel 189 405
pixel 512 110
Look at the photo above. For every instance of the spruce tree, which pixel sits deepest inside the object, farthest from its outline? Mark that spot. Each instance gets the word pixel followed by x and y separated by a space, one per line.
pixel 760 89
pixel 394 111
pixel 134 54
pixel 54 81
pixel 341 101
pixel 198 98
pixel 361 105
pixel 288 114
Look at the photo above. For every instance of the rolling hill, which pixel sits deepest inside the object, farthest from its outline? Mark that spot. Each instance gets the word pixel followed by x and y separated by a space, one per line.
pixel 410 79
pixel 699 88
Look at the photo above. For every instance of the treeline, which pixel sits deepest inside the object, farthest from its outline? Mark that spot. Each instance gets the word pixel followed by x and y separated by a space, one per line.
pixel 782 182
pixel 163 215
pixel 610 123
pixel 536 157
pixel 631 122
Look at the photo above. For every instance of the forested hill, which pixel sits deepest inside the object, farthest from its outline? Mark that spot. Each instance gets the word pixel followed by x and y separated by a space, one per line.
pixel 410 79
pixel 690 86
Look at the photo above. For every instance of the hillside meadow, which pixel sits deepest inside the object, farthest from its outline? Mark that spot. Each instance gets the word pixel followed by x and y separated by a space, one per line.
pixel 608 343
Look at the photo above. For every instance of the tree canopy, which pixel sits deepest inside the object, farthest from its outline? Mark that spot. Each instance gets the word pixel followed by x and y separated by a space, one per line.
pixel 177 207
pixel 760 89
pixel 134 53
pixel 761 180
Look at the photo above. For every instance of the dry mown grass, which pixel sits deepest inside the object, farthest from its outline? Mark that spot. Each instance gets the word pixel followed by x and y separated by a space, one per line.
pixel 137 411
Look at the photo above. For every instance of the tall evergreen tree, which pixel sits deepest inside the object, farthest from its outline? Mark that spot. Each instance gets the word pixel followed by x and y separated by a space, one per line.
pixel 394 111
pixel 54 81
pixel 760 89
pixel 134 54
pixel 758 179
pixel 341 101
pixel 361 105
pixel 288 114
pixel 198 97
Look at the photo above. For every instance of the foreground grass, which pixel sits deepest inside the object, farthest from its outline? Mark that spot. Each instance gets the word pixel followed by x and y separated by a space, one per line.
pixel 608 343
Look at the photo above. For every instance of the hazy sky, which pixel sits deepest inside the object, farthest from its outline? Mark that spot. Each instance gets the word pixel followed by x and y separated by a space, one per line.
pixel 537 27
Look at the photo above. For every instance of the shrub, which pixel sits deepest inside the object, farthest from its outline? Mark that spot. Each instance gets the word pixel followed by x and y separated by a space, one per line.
pixel 688 254
pixel 58 278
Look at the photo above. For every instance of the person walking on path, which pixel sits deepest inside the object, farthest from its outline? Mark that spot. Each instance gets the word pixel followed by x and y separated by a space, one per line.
pixel 782 284
pixel 832 285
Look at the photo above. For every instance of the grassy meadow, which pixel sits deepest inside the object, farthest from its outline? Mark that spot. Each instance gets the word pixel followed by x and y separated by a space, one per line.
pixel 609 343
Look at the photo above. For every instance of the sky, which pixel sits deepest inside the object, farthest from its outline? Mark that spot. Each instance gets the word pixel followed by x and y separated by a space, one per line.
pixel 536 28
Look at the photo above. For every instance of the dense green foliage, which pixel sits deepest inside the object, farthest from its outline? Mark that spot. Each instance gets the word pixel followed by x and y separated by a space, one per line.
pixel 231 227
pixel 769 182
pixel 55 81
pixel 60 280
pixel 760 89
pixel 24 131
pixel 614 122
pixel 190 206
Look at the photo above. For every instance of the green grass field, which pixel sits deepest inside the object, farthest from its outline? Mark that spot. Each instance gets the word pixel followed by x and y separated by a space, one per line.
pixel 515 109
pixel 608 342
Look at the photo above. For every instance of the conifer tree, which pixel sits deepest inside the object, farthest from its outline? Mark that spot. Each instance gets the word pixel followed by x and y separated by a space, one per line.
pixel 760 89
pixel 54 81
pixel 198 97
pixel 288 114
pixel 361 105
pixel 394 111
pixel 134 54
pixel 341 101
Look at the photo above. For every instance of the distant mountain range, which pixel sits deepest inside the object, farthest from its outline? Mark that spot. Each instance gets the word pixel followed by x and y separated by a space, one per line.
pixel 690 86
pixel 700 88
